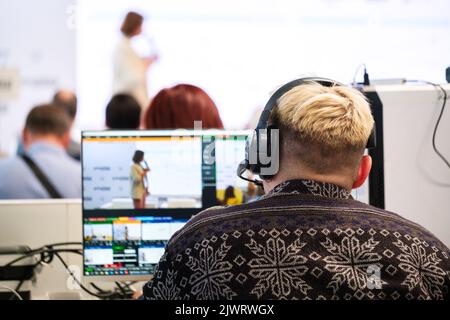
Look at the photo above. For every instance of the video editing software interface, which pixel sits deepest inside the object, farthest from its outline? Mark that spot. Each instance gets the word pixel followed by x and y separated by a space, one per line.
pixel 140 187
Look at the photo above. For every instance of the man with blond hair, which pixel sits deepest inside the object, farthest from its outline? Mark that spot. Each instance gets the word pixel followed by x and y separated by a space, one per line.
pixel 307 238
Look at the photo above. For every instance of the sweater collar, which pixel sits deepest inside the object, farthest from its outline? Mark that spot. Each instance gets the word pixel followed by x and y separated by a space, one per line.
pixel 317 188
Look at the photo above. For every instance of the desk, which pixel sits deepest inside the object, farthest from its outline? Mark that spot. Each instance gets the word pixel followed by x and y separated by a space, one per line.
pixel 39 222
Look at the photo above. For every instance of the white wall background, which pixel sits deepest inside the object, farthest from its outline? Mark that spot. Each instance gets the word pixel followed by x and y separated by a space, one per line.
pixel 241 50
pixel 36 41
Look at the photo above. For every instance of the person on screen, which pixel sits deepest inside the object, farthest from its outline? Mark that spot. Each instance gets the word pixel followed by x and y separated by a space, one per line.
pixel 138 176
pixel 130 70
pixel 46 137
pixel 230 197
pixel 307 238
pixel 179 107
pixel 126 235
pixel 123 113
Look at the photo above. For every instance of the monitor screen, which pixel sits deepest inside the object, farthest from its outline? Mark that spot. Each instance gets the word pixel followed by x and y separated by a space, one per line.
pixel 140 187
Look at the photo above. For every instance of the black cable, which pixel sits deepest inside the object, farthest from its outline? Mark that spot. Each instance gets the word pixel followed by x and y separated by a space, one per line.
pixel 113 294
pixel 33 253
pixel 129 284
pixel 47 253
pixel 121 289
pixel 97 288
pixel 60 244
pixel 356 73
pixel 101 296
pixel 439 87
pixel 39 250
pixel 43 259
pixel 13 296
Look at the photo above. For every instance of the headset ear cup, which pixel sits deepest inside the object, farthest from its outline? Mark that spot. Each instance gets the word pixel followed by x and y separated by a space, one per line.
pixel 255 164
pixel 268 148
pixel 247 152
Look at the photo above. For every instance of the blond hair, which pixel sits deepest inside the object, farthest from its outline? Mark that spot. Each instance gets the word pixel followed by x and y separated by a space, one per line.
pixel 332 124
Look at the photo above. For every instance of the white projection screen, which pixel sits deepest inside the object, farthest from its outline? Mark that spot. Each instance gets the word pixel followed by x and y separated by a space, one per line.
pixel 240 51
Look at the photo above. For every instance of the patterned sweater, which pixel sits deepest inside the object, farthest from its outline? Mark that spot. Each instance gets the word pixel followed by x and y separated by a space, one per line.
pixel 303 240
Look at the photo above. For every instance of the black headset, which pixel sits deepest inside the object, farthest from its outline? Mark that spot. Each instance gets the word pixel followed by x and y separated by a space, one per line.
pixel 259 145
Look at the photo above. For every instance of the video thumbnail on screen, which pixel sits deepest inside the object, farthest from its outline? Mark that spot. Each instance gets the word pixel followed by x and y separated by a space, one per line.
pixel 142 173
pixel 127 245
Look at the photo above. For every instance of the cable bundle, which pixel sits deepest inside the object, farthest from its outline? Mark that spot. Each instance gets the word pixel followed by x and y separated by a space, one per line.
pixel 47 255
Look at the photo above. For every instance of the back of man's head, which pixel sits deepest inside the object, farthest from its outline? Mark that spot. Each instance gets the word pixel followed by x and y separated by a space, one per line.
pixel 47 120
pixel 323 129
pixel 66 100
pixel 123 112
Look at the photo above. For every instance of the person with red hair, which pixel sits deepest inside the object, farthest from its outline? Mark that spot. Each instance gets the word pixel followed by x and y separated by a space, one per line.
pixel 178 107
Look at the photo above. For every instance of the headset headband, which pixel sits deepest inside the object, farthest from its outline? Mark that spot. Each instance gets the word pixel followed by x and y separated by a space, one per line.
pixel 273 101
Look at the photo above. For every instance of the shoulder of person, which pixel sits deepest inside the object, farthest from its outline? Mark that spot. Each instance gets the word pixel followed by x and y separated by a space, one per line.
pixel 205 219
pixel 196 221
pixel 7 161
pixel 407 224
pixel 209 212
pixel 11 164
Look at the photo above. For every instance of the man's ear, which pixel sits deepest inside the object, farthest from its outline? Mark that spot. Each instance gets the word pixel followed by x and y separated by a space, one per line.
pixel 363 172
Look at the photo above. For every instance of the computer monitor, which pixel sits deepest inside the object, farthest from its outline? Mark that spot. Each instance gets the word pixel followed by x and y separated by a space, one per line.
pixel 189 171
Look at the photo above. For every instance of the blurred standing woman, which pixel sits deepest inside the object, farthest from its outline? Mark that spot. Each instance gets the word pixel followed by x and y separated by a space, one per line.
pixel 130 70
pixel 138 176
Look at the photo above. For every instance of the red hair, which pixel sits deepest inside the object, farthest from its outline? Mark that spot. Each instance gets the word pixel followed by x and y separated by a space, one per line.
pixel 179 107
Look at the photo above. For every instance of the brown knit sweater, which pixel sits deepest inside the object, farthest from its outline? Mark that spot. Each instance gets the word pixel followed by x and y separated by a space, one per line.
pixel 304 240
